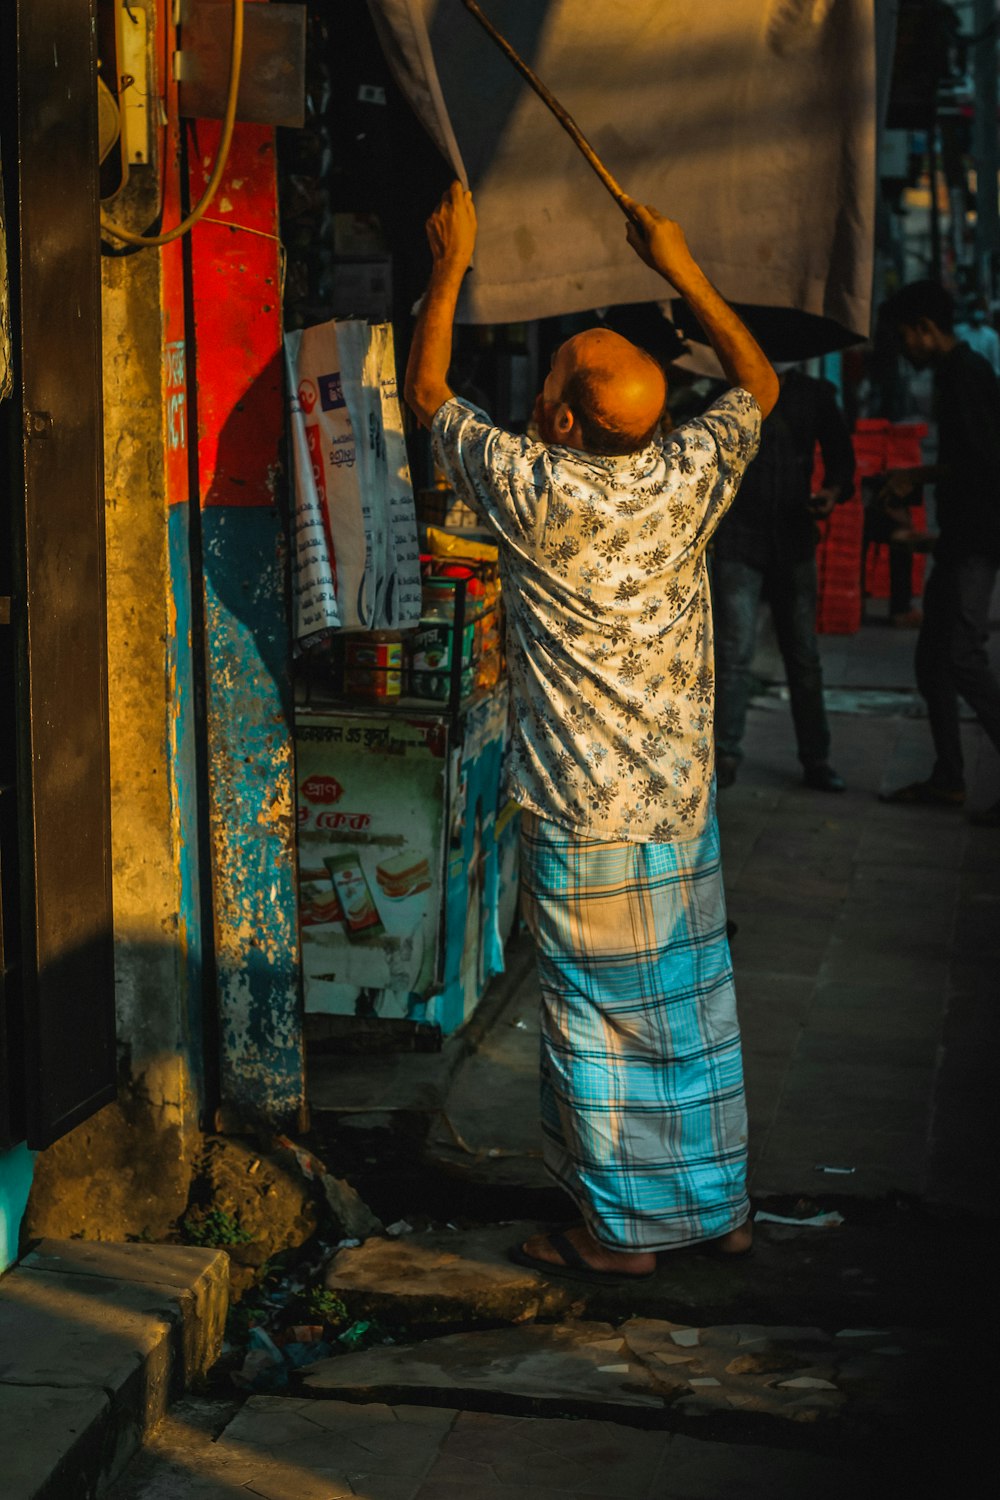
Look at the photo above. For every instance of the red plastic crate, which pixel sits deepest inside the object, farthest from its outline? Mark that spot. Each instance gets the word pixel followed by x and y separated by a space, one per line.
pixel 903 450
pixel 878 445
pixel 839 612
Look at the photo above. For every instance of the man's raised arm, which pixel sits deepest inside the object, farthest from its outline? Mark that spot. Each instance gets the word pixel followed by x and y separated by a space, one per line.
pixel 661 244
pixel 451 233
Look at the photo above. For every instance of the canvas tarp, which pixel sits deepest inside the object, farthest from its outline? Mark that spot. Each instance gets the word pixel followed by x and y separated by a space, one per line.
pixel 752 122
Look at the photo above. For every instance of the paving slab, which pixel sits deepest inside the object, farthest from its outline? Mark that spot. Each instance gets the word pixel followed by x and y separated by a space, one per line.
pixel 194 1278
pixel 441 1278
pixel 558 1368
pixel 653 1372
pixel 92 1348
pixel 49 1435
pixel 284 1448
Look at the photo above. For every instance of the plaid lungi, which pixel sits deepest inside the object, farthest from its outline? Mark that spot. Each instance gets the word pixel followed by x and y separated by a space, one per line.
pixel 643 1112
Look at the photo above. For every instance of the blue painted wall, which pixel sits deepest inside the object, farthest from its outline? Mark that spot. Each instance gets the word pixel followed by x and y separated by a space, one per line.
pixel 16 1168
pixel 252 807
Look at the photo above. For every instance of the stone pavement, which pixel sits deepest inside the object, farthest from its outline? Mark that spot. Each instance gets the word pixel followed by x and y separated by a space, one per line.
pixel 95 1341
pixel 280 1448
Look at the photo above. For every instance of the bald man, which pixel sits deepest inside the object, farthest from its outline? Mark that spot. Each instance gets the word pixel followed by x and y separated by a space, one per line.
pixel 602 528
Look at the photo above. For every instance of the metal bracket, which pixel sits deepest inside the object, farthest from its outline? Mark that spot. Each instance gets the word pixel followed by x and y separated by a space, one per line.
pixel 273 80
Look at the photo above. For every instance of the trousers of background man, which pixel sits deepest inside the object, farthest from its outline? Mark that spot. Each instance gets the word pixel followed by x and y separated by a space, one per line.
pixel 737 590
pixel 952 661
pixel 766 547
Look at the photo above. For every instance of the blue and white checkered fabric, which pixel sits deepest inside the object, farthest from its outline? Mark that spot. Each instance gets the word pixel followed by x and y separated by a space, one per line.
pixel 643 1109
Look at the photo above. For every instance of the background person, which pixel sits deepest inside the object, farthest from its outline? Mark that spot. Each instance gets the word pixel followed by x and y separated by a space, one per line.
pixel 980 335
pixel 951 656
pixel 603 528
pixel 766 546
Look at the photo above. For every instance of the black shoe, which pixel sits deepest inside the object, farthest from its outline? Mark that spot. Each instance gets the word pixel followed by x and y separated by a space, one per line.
pixel 987 817
pixel 924 794
pixel 726 767
pixel 823 778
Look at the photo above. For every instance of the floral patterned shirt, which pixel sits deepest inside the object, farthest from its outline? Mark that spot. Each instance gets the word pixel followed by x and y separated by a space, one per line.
pixel 609 620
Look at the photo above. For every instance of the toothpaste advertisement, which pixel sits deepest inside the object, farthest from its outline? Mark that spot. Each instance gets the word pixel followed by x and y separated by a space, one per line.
pixel 371 796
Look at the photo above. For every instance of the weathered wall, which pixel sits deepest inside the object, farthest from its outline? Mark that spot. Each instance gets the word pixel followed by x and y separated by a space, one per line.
pixel 248 692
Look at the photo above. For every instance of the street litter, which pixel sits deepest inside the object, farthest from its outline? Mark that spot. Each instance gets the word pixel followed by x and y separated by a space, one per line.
pixel 267 1363
pixel 352 1337
pixel 310 1166
pixel 818 1221
pixel 686 1337
pixel 837 1171
pixel 400 1227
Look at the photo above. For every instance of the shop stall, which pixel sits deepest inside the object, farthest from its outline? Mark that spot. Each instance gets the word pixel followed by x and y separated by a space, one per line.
pixel 407 858
pixel 407 855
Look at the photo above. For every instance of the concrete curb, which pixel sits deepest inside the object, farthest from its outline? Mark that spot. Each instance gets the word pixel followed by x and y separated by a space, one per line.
pixel 96 1340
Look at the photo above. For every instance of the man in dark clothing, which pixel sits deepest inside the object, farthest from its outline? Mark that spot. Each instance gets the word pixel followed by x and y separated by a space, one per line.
pixel 768 543
pixel 951 656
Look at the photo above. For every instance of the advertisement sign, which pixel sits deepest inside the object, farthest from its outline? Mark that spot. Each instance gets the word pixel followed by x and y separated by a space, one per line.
pixel 371 815
pixel 356 558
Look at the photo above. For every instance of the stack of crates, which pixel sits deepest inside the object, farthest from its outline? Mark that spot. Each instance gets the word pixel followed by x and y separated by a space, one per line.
pixel 878 446
pixel 838 569
pixel 838 556
pixel 902 450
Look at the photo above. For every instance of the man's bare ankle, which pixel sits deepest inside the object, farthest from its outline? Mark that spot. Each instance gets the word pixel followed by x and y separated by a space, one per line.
pixel 740 1238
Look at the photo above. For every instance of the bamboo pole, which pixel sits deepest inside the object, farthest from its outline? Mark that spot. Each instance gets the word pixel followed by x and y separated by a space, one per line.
pixel 565 119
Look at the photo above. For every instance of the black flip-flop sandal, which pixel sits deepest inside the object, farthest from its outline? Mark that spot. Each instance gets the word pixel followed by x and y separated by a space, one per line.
pixel 574 1268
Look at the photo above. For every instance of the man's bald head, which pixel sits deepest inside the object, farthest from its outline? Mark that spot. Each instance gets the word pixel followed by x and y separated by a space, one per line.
pixel 603 395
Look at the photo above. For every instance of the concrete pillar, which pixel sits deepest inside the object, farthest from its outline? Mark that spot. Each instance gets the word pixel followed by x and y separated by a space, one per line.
pixel 127 1170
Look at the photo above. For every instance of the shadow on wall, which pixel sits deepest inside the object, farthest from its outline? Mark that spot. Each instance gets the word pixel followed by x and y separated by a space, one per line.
pixel 244 545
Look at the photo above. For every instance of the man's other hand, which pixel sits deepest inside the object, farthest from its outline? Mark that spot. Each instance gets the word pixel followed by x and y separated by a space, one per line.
pixel 658 241
pixel 451 230
pixel 899 483
pixel 822 503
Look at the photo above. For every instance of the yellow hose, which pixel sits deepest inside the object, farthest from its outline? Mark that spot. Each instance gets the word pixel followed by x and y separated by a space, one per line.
pixel 113 231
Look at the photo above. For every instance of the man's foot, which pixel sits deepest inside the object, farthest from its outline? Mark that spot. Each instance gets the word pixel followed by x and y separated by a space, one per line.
pixel 726 767
pixel 576 1253
pixel 736 1242
pixel 924 794
pixel 986 817
pixel 821 777
pixel 908 619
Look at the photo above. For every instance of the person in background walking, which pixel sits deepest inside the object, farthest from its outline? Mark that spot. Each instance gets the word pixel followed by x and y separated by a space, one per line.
pixel 978 333
pixel 767 545
pixel 951 657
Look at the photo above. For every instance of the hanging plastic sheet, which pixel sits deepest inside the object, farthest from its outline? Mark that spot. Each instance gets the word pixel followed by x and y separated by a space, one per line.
pixel 751 122
pixel 356 562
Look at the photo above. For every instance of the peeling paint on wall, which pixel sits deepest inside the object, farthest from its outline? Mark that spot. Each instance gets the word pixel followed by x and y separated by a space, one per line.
pixel 240 427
